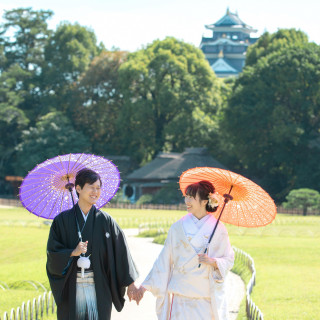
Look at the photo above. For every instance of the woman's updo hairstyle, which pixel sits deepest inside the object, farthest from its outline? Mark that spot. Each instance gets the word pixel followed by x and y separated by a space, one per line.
pixel 202 188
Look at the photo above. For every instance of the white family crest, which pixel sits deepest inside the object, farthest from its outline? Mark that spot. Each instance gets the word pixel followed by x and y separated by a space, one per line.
pixel 107 234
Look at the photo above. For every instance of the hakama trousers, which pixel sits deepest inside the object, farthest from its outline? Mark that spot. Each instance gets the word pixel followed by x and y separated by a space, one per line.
pixel 86 300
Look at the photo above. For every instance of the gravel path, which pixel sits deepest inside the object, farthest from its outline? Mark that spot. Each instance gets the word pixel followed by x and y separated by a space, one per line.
pixel 144 253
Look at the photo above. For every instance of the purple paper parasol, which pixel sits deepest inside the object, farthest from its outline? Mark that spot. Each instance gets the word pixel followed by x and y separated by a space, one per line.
pixel 43 191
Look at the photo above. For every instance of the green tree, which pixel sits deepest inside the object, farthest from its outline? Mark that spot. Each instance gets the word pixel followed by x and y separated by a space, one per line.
pixel 303 199
pixel 169 194
pixel 99 103
pixel 30 33
pixel 270 43
pixel 12 121
pixel 273 119
pixel 39 71
pixel 24 34
pixel 53 134
pixel 68 53
pixel 165 86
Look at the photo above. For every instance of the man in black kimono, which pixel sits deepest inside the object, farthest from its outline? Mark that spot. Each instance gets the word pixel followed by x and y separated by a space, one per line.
pixel 101 239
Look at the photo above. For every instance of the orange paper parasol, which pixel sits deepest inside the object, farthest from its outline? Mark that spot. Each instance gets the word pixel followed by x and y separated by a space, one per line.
pixel 250 206
pixel 242 202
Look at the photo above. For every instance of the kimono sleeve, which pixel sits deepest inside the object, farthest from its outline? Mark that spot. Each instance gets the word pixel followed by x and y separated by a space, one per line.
pixel 58 256
pixel 127 271
pixel 224 257
pixel 158 278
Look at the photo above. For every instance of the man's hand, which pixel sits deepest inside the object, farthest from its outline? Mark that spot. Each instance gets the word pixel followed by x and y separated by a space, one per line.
pixel 82 247
pixel 131 291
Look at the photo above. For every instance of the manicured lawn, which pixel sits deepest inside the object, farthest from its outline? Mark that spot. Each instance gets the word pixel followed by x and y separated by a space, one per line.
pixel 287 282
pixel 286 255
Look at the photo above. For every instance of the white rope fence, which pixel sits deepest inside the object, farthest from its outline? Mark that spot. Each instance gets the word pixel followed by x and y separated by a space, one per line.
pixel 253 312
pixel 35 310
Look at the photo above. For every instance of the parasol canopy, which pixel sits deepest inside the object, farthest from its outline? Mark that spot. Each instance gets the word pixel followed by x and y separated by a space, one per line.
pixel 44 193
pixel 250 207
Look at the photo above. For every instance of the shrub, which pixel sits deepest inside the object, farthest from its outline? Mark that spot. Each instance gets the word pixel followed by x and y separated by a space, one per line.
pixel 303 199
pixel 170 194
pixel 146 198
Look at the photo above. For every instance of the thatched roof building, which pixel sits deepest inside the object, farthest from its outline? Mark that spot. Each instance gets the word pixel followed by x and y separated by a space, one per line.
pixel 166 169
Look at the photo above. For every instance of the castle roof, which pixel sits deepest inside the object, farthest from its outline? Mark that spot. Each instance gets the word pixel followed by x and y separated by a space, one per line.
pixel 229 20
pixel 222 66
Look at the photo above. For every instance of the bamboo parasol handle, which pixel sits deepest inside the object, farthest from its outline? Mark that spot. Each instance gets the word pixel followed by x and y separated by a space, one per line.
pixel 227 198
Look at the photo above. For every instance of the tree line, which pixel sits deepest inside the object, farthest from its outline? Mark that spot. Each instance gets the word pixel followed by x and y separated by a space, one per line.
pixel 62 92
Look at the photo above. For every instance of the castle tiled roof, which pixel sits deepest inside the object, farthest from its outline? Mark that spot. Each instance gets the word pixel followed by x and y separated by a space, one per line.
pixel 222 66
pixel 229 19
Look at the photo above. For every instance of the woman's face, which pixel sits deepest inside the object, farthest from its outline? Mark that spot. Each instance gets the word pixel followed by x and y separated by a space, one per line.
pixel 195 205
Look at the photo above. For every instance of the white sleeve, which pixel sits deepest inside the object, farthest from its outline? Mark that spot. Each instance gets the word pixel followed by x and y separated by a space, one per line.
pixel 158 278
pixel 224 256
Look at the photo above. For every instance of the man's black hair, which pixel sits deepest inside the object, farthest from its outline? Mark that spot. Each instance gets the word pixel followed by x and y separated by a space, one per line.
pixel 86 176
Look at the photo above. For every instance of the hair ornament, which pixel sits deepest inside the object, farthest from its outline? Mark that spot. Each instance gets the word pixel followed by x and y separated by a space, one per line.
pixel 213 200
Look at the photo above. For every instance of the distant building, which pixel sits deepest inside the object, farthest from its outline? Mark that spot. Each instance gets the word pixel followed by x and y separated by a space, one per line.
pixel 227 47
pixel 166 169
pixel 11 185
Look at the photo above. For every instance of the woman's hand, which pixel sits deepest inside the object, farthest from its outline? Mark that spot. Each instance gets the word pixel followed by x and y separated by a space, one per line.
pixel 81 248
pixel 204 258
pixel 139 294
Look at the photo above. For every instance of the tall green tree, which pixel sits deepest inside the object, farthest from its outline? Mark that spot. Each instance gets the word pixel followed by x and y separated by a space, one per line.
pixel 12 119
pixel 39 70
pixel 24 34
pixel 273 119
pixel 53 134
pixel 99 102
pixel 166 86
pixel 271 42
pixel 68 53
pixel 12 122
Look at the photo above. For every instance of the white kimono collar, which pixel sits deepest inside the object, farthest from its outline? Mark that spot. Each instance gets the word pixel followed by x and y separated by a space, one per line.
pixel 206 229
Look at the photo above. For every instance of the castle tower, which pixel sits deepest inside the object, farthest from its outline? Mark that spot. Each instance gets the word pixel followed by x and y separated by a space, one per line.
pixel 227 47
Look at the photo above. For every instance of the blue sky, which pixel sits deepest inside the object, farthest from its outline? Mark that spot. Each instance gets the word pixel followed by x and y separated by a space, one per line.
pixel 129 24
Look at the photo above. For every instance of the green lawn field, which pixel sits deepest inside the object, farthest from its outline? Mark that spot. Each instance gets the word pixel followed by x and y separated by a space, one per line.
pixel 286 255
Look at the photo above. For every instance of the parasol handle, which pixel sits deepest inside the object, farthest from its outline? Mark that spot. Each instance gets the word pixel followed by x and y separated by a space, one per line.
pixel 70 186
pixel 227 198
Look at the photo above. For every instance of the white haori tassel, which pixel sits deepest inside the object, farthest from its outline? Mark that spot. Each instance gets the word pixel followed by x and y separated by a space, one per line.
pixel 83 263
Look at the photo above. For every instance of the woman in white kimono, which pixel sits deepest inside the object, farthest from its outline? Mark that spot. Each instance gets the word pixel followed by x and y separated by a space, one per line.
pixel 183 289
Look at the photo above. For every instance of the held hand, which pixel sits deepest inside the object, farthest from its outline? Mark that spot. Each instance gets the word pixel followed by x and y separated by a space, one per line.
pixel 134 293
pixel 131 291
pixel 204 259
pixel 82 247
pixel 139 294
